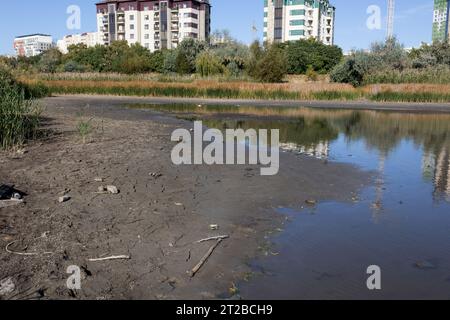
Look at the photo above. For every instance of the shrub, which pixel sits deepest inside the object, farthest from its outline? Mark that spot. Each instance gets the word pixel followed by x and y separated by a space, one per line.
pixel 355 67
pixel 311 75
pixel 73 66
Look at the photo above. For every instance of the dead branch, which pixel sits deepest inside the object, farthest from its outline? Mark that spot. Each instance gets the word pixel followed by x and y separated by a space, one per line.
pixel 213 238
pixel 205 258
pixel 110 258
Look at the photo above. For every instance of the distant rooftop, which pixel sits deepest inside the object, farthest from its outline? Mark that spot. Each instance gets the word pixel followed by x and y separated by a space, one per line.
pixel 33 35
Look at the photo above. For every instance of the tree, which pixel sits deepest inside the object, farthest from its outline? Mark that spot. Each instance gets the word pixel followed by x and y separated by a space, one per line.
pixel 183 64
pixel 255 55
pixel 233 56
pixel 156 61
pixel 390 53
pixel 303 54
pixel 50 60
pixel 209 64
pixel 188 50
pixel 272 66
pixel 170 61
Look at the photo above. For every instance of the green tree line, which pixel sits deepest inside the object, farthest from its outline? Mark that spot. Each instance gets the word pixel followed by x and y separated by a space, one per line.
pixel 265 63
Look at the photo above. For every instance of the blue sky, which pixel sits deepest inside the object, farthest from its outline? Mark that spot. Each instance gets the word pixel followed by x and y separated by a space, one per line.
pixel 412 24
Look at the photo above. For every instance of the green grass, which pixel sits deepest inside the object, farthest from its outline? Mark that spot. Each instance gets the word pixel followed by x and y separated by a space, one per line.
pixel 43 88
pixel 439 75
pixel 217 93
pixel 19 116
pixel 410 97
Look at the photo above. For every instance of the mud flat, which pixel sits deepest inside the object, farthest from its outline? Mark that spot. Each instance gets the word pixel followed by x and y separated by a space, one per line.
pixel 155 219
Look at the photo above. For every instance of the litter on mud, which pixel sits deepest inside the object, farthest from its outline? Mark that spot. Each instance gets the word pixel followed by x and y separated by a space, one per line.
pixel 10 196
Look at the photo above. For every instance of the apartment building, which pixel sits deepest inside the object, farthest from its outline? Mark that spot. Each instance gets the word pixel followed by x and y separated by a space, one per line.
pixel 90 39
pixel 290 20
pixel 441 20
pixel 157 24
pixel 32 45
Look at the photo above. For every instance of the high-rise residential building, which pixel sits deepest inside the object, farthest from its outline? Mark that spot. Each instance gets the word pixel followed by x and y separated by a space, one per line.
pixel 157 24
pixel 90 39
pixel 441 20
pixel 32 45
pixel 290 20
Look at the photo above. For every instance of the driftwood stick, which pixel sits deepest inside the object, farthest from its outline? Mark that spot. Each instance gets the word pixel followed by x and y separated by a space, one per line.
pixel 25 253
pixel 110 258
pixel 213 238
pixel 205 258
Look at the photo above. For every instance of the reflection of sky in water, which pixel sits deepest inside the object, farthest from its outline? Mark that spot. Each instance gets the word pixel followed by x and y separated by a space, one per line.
pixel 396 224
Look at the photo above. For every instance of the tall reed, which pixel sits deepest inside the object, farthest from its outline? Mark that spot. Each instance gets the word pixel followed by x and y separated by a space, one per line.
pixel 19 116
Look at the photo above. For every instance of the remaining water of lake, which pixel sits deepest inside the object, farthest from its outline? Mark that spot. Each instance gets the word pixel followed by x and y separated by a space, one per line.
pixel 401 223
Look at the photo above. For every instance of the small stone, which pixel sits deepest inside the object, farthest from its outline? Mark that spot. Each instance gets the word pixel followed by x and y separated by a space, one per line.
pixel 311 202
pixel 98 179
pixel 21 152
pixel 63 199
pixel 6 287
pixel 214 227
pixel 112 189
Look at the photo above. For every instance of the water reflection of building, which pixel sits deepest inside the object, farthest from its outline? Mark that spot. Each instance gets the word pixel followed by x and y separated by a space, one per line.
pixel 437 168
pixel 319 150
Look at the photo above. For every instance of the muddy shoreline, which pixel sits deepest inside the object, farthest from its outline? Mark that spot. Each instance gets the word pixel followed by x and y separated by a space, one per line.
pixel 154 220
pixel 410 107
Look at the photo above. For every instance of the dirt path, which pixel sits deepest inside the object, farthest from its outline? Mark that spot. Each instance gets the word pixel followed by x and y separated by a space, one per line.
pixel 154 220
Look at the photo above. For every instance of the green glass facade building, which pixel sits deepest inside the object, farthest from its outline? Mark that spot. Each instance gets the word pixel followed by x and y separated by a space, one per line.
pixel 441 21
pixel 290 20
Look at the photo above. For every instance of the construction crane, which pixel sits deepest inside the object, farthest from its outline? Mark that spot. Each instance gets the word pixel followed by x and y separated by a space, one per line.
pixel 254 31
pixel 390 19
